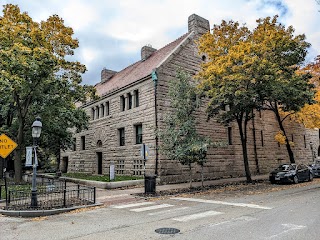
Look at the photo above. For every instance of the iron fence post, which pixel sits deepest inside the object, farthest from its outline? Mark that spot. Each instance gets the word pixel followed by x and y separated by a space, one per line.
pixel 94 195
pixel 64 197
pixel 78 191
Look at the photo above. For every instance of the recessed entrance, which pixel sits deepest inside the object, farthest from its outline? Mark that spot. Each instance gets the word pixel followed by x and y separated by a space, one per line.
pixel 64 164
pixel 99 158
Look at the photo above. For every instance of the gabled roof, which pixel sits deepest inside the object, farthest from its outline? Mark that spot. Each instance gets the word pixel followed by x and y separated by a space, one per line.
pixel 139 69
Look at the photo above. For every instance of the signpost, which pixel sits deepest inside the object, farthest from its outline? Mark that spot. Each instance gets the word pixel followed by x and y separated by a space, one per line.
pixel 144 153
pixel 29 156
pixel 7 145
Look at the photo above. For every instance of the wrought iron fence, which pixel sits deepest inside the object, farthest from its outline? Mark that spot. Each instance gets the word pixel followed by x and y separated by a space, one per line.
pixel 51 197
pixel 7 185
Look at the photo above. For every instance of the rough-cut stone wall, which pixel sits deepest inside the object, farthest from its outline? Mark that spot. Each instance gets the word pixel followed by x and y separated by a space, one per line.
pixel 228 161
pixel 126 158
pixel 221 162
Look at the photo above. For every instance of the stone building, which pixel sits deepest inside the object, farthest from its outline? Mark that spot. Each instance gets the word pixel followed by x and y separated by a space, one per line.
pixel 131 106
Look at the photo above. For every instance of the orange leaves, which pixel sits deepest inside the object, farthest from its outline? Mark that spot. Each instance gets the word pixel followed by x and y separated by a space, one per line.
pixel 281 139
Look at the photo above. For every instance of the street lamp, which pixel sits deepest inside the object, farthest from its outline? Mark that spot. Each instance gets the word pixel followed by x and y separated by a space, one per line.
pixel 36 131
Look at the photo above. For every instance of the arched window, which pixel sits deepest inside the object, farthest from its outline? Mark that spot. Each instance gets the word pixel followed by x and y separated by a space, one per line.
pixel 99 143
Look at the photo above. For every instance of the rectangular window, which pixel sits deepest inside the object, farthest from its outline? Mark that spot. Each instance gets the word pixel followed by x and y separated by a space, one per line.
pixel 93 113
pixel 230 135
pixel 83 143
pixel 74 144
pixel 304 141
pixel 136 96
pixel 122 103
pixel 129 101
pixel 292 137
pixel 138 133
pixel 107 108
pixel 261 133
pixel 97 111
pixel 102 110
pixel 121 137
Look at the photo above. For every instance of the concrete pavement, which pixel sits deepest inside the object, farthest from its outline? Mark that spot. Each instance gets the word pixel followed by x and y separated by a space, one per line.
pixel 114 196
pixel 135 193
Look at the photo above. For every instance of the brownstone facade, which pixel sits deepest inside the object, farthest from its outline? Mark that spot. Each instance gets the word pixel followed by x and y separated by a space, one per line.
pixel 132 104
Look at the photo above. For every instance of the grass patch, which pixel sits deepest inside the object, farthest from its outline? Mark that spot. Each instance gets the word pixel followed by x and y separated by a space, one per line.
pixel 101 178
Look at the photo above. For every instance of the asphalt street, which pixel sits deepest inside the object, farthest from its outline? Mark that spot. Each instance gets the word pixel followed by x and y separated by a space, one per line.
pixel 290 212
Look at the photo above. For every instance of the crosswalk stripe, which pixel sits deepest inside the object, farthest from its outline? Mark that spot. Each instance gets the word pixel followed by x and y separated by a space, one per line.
pixel 132 205
pixel 113 196
pixel 221 202
pixel 196 216
pixel 151 208
pixel 168 211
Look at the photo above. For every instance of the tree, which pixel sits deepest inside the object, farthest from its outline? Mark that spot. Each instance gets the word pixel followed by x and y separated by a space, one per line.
pixel 255 69
pixel 282 87
pixel 227 78
pixel 309 115
pixel 34 68
pixel 179 138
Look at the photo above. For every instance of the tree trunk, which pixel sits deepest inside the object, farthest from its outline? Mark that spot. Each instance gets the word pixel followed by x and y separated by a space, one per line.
pixel 202 175
pixel 18 153
pixel 290 152
pixel 190 174
pixel 255 144
pixel 1 167
pixel 243 137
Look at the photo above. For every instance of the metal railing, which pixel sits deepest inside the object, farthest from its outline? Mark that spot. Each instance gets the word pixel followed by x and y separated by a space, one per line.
pixel 51 197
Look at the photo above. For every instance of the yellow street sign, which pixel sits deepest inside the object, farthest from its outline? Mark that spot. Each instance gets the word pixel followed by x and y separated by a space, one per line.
pixel 7 145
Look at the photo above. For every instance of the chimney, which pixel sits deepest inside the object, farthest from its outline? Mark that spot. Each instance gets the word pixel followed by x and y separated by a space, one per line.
pixel 106 74
pixel 146 52
pixel 198 24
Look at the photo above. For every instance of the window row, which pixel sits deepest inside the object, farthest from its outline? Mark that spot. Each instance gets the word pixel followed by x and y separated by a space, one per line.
pixel 121 134
pixel 129 100
pixel 100 111
pixel 138 135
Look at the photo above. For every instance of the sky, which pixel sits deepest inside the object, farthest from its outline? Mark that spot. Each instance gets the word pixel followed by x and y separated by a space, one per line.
pixel 111 33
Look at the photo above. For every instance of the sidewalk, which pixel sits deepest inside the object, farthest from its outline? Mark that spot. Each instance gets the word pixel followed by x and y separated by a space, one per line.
pixel 123 195
pixel 112 196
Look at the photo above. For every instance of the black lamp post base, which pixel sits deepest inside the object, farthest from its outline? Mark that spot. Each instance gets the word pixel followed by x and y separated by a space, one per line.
pixel 34 200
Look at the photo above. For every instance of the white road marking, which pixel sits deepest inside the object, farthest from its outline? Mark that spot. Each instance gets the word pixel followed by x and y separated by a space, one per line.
pixel 113 196
pixel 242 218
pixel 221 202
pixel 196 216
pixel 151 208
pixel 288 227
pixel 132 205
pixel 168 211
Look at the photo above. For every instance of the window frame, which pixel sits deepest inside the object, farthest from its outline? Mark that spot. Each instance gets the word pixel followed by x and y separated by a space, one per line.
pixel 139 136
pixel 122 138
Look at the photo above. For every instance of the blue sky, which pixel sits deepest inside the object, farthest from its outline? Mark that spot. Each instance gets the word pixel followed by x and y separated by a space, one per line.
pixel 112 32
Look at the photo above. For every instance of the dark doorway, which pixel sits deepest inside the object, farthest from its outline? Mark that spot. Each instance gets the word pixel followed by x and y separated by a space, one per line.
pixel 64 165
pixel 99 157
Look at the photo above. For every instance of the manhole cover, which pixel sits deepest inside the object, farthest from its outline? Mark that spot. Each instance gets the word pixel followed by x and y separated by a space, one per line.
pixel 167 230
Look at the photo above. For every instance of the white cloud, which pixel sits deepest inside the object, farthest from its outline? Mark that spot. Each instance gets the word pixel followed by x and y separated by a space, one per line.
pixel 79 14
pixel 112 32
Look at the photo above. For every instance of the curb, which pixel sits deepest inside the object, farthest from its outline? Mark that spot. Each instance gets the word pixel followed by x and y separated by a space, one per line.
pixel 41 213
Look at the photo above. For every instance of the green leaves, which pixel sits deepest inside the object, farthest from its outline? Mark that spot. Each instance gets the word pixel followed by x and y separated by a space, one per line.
pixel 179 138
pixel 37 78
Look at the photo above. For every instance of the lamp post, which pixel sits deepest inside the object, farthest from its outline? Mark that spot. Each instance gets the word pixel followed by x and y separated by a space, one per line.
pixel 36 131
